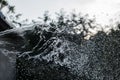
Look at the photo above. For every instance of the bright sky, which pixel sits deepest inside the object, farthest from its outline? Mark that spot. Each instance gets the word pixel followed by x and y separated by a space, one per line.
pixel 104 10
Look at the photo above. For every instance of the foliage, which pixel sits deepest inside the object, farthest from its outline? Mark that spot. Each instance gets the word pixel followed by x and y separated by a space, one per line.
pixel 102 50
pixel 66 23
